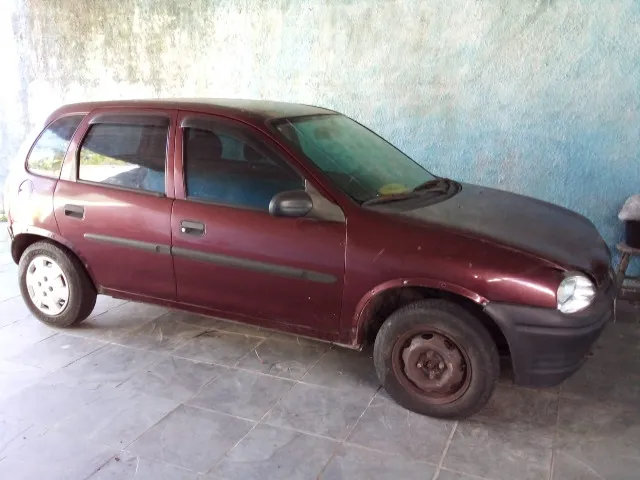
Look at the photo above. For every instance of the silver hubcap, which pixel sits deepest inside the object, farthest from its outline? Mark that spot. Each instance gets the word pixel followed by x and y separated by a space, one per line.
pixel 47 285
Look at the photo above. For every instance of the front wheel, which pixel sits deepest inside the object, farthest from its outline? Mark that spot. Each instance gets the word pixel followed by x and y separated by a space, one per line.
pixel 435 358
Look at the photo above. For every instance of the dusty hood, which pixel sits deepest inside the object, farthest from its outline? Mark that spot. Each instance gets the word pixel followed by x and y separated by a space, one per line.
pixel 540 228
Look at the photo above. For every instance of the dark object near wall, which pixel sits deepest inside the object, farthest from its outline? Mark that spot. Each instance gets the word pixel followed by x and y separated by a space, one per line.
pixel 632 228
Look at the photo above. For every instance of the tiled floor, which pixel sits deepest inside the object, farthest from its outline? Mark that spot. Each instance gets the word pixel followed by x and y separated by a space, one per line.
pixel 139 391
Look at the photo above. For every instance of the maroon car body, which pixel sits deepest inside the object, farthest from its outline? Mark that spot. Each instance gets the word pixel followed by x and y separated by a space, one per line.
pixel 500 255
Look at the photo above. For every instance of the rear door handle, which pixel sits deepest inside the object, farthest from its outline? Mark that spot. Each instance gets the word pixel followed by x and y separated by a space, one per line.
pixel 190 227
pixel 74 211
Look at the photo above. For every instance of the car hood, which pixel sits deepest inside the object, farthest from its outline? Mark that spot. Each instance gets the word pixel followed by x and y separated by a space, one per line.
pixel 545 230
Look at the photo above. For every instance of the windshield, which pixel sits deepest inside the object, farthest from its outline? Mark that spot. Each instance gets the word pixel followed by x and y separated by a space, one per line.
pixel 361 163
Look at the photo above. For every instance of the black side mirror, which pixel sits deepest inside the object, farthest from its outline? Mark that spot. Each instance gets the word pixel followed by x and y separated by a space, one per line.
pixel 295 203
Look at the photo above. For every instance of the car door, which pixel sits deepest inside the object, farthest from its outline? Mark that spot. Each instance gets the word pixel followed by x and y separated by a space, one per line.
pixel 113 201
pixel 229 253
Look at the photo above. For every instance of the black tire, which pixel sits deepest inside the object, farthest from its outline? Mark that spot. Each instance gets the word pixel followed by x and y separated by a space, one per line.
pixel 82 293
pixel 472 342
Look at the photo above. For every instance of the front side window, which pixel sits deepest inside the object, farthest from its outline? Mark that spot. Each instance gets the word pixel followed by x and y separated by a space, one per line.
pixel 125 155
pixel 48 152
pixel 229 166
pixel 358 161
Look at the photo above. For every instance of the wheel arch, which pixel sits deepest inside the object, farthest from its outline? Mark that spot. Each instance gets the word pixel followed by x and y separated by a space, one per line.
pixel 375 307
pixel 22 241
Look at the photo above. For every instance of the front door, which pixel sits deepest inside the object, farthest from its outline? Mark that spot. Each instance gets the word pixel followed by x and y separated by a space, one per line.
pixel 229 253
pixel 112 203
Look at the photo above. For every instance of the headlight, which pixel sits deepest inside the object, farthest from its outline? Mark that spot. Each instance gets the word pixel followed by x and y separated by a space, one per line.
pixel 575 293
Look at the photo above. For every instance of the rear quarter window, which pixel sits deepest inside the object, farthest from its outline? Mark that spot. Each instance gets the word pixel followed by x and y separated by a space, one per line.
pixel 49 149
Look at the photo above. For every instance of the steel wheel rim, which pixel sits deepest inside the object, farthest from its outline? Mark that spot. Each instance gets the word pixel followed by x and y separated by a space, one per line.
pixel 47 285
pixel 439 378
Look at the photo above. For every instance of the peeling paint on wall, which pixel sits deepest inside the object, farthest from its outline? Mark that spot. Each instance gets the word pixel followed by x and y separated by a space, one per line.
pixel 538 97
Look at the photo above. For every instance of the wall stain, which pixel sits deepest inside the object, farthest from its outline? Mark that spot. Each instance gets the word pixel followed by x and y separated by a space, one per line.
pixel 538 97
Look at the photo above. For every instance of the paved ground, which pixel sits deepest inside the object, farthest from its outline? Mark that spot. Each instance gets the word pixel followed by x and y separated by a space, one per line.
pixel 139 391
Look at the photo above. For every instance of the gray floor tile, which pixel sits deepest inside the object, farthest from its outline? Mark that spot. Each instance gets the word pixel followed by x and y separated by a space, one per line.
pixel 105 303
pixel 623 336
pixel 163 334
pixel 49 400
pixel 117 322
pixel 593 461
pixel 597 438
pixel 21 334
pixel 13 309
pixel 11 433
pixel 130 467
pixel 354 463
pixel 9 286
pixel 603 385
pixel 284 358
pixel 196 320
pixel 498 452
pixel 527 411
pixel 117 417
pixel 345 369
pixel 217 347
pixel 15 377
pixel 291 337
pixel 319 410
pixel 617 350
pixel 174 378
pixel 57 351
pixel 54 456
pixel 627 313
pixel 390 428
pixel 223 325
pixel 241 393
pixel 451 475
pixel 5 247
pixel 579 418
pixel 273 453
pixel 110 365
pixel 619 360
pixel 191 438
pixel 236 327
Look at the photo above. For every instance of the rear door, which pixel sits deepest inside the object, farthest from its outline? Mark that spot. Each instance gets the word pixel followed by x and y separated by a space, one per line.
pixel 113 201
pixel 230 254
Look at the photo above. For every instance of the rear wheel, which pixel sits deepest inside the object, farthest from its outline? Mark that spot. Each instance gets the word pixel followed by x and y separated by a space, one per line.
pixel 55 286
pixel 435 358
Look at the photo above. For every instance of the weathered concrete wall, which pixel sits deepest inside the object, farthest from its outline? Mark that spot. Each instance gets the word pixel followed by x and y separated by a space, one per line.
pixel 539 97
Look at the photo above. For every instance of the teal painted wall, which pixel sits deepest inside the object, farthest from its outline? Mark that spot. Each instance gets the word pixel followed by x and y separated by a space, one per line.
pixel 537 97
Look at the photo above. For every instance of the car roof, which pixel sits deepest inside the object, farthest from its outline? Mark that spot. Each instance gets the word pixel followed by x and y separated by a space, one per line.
pixel 244 109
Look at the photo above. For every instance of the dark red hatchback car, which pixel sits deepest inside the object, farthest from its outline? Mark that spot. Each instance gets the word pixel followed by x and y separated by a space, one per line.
pixel 298 218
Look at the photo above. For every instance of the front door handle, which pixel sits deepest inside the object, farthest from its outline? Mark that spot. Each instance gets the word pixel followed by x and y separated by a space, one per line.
pixel 74 211
pixel 190 227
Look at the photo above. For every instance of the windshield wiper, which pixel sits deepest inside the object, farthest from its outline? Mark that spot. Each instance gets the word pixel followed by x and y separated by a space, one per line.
pixel 437 185
pixel 394 197
pixel 440 185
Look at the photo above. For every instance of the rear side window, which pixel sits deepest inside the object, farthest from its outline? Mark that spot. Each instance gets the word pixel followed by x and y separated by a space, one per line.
pixel 48 151
pixel 125 155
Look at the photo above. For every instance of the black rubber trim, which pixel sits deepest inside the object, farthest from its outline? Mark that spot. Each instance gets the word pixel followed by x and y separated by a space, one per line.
pixel 125 242
pixel 254 265
pixel 546 345
pixel 124 118
pixel 221 127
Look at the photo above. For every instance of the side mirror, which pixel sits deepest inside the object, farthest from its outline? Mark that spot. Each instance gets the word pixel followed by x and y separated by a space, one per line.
pixel 295 203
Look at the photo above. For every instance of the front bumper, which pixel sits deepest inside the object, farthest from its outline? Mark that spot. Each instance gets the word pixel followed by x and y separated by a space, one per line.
pixel 546 345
